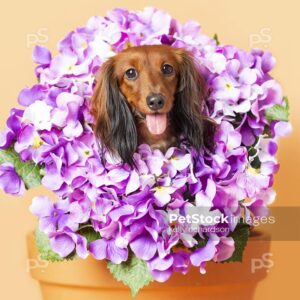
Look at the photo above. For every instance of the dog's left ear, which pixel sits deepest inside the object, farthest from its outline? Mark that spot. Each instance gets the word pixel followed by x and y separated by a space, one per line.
pixel 187 115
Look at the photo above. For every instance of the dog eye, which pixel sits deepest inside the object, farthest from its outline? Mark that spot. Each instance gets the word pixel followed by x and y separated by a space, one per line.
pixel 167 69
pixel 131 73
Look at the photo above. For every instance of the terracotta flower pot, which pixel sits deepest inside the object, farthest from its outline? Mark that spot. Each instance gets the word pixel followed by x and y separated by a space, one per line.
pixel 90 279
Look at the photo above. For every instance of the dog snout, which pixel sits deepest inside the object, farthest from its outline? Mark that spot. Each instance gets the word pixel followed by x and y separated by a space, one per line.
pixel 155 101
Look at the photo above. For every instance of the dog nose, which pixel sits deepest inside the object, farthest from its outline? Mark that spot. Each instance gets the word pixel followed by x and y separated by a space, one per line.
pixel 155 101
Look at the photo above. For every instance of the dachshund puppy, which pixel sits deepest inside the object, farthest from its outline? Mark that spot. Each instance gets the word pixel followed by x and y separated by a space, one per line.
pixel 149 94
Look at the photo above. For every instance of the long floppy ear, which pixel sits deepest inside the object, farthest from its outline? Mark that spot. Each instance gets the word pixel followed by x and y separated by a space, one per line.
pixel 187 113
pixel 114 123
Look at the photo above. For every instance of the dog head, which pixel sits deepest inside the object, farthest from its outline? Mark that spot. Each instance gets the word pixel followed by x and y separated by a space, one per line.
pixel 157 85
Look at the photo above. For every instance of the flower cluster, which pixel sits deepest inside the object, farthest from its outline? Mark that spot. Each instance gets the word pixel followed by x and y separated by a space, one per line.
pixel 130 208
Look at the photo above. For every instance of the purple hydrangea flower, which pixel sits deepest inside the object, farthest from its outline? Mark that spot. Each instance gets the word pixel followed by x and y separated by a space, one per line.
pixel 10 181
pixel 53 216
pixel 66 241
pixel 107 249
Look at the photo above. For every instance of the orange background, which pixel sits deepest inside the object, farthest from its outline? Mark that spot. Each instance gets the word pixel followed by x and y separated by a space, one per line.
pixel 271 25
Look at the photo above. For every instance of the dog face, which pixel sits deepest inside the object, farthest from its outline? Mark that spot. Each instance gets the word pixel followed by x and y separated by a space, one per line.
pixel 148 78
pixel 148 94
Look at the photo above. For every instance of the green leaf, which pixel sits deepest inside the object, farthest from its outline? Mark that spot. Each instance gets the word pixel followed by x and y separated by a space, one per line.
pixel 43 245
pixel 133 273
pixel 286 102
pixel 89 233
pixel 240 236
pixel 7 156
pixel 216 38
pixel 278 112
pixel 28 171
pixel 200 243
pixel 256 163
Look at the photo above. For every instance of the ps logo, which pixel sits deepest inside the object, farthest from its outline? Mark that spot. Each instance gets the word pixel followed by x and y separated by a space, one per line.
pixel 263 38
pixel 265 262
pixel 40 37
pixel 34 263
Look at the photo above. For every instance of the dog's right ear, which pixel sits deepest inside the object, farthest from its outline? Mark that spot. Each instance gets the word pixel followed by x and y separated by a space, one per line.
pixel 114 123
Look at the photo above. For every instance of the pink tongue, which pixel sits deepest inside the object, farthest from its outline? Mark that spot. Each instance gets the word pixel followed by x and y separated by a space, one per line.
pixel 156 123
